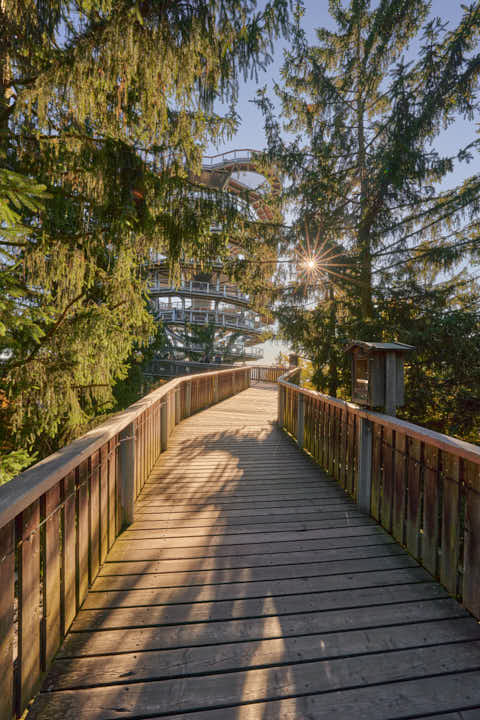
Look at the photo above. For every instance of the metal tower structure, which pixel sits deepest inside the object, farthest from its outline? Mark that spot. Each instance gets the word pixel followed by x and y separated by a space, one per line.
pixel 207 318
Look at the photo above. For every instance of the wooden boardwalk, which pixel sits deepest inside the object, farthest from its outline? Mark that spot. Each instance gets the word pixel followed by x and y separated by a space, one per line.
pixel 251 588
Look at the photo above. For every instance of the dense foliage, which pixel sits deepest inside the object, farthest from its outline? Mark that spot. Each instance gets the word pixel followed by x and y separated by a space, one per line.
pixel 385 249
pixel 105 108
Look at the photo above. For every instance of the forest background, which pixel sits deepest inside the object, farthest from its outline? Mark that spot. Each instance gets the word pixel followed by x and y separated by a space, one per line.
pixel 105 112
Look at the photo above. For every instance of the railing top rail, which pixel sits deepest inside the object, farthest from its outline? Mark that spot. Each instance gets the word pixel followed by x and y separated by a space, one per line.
pixel 240 152
pixel 461 448
pixel 22 491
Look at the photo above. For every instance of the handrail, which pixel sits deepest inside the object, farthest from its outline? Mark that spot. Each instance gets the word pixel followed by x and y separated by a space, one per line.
pixel 422 486
pixel 222 319
pixel 59 519
pixel 247 153
pixel 461 448
pixel 224 290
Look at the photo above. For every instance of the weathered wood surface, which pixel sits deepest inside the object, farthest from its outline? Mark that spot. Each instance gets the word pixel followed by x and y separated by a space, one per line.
pixel 250 587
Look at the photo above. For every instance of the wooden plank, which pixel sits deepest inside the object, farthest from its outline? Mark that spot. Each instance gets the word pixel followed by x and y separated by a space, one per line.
pixel 69 544
pixel 377 479
pixel 368 535
pixel 225 689
pixel 400 700
pixel 352 429
pixel 249 575
pixel 94 522
pixel 159 513
pixel 104 516
pixel 450 521
pixel 187 635
pixel 471 571
pixel 52 617
pixel 112 492
pixel 226 542
pixel 388 454
pixel 29 669
pixel 251 608
pixel 260 653
pixel 152 521
pixel 132 567
pixel 431 509
pixel 231 591
pixel 414 496
pixel 82 546
pixel 7 600
pixel 400 487
pixel 237 507
pixel 171 534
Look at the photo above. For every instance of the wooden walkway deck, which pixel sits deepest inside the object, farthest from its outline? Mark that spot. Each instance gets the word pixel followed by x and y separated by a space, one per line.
pixel 251 588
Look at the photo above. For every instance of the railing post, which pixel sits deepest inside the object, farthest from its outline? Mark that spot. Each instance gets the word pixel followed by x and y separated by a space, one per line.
pixel 178 406
pixel 364 486
pixel 188 399
pixel 281 405
pixel 164 424
pixel 127 474
pixel 215 389
pixel 300 419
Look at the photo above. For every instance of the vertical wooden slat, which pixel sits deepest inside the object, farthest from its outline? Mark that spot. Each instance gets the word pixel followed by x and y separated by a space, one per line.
pixel 331 438
pixel 103 487
pixel 399 487
pixel 414 499
pixel 431 508
pixel 112 492
pixel 450 507
pixel 82 548
pixel 351 453
pixel 471 570
pixel 29 609
pixel 343 447
pixel 388 478
pixel 94 517
pixel 52 626
pixel 321 435
pixel 337 417
pixel 376 491
pixel 69 552
pixel 7 600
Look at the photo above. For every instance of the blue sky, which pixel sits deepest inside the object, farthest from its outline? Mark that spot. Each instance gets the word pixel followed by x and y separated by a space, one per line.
pixel 250 133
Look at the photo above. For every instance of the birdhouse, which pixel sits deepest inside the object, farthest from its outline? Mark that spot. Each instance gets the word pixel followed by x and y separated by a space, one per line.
pixel 293 360
pixel 377 374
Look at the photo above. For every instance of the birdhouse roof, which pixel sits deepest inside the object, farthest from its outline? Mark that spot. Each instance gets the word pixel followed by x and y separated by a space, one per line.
pixel 379 346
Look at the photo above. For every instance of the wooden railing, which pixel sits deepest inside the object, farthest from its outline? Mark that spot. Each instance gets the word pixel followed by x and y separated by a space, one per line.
pixel 261 373
pixel 422 486
pixel 59 519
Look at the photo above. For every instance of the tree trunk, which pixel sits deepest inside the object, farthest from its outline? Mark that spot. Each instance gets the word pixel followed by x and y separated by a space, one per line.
pixel 332 353
pixel 363 233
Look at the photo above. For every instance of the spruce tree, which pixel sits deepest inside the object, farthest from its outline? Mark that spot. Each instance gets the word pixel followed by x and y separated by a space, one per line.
pixel 364 179
pixel 105 108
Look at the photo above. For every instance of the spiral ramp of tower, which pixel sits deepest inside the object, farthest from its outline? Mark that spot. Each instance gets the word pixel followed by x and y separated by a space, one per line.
pixel 207 318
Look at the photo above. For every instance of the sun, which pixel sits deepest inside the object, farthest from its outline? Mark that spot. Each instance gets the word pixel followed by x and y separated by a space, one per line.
pixel 316 261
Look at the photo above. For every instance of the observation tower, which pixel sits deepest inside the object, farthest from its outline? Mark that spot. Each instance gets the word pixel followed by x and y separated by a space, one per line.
pixel 207 318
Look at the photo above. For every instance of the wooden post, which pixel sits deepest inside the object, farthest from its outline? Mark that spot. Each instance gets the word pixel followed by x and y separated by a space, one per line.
pixel 188 399
pixel 164 424
pixel 127 474
pixel 215 389
pixel 281 405
pixel 7 628
pixel 364 488
pixel 391 384
pixel 300 419
pixel 177 406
